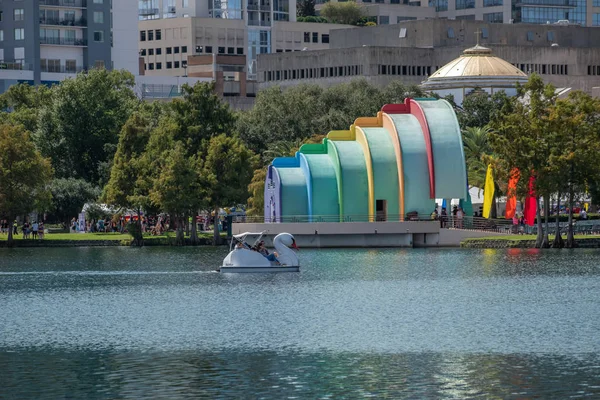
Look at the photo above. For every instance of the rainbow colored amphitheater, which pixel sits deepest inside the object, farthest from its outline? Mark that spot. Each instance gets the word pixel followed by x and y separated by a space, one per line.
pixel 383 168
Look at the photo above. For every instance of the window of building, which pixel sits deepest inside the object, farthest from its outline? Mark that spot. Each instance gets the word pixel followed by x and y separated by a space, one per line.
pixel 71 66
pixel 394 1
pixel 151 66
pixel 530 36
pixel 99 2
pixel 99 36
pixel 0 16
pixel 315 37
pixel 451 33
pixel 169 65
pixel 306 37
pixel 169 50
pixel 19 14
pixel 199 49
pixel 150 35
pixel 150 52
pixel 158 51
pixel 158 34
pixel 492 3
pixel 158 65
pixel 384 20
pixel 221 50
pixel 98 17
pixel 596 3
pixel 184 49
pixel 142 36
pixel 209 49
pixel 240 51
pixel 143 52
pixel 485 33
pixel 1 35
pixel 495 18
pixel 550 36
pixel 176 50
pixel 176 64
pixel 99 64
pixel 325 38
pixel 19 33
pixel 464 4
pixel 231 50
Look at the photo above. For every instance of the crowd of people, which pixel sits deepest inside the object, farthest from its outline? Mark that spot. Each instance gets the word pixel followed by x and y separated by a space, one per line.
pixel 33 230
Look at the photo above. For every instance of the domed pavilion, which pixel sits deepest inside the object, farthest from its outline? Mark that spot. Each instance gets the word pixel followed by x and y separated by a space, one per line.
pixel 477 69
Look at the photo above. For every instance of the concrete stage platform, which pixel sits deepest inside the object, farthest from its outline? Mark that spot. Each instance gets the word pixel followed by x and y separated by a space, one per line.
pixel 365 234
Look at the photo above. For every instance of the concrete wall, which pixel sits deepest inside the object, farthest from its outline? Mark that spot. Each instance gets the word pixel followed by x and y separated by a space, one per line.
pixel 419 62
pixel 365 234
pixel 435 33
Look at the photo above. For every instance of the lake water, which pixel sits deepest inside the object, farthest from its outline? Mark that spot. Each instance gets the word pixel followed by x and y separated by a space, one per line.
pixel 108 323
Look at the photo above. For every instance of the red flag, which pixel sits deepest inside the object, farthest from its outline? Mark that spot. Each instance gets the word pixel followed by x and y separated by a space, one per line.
pixel 530 204
pixel 511 201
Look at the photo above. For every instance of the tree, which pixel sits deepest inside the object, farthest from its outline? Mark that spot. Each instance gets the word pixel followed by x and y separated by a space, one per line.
pixel 256 201
pixel 576 121
pixel 342 13
pixel 305 8
pixel 22 103
pixel 228 169
pixel 200 115
pixel 79 128
pixel 24 175
pixel 522 138
pixel 477 147
pixel 179 186
pixel 129 183
pixel 478 109
pixel 69 195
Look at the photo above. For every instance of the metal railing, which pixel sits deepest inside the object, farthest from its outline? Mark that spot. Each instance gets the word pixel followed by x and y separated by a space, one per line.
pixel 63 41
pixel 148 11
pixel 16 66
pixel 446 222
pixel 62 69
pixel 64 3
pixel 64 21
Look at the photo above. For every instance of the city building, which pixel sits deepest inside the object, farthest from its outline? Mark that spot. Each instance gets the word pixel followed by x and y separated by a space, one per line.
pixel 45 41
pixel 385 168
pixel 165 44
pixel 412 52
pixel 581 12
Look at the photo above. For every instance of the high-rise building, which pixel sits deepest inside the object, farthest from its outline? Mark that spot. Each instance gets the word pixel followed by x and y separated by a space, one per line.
pixel 581 12
pixel 45 41
pixel 254 19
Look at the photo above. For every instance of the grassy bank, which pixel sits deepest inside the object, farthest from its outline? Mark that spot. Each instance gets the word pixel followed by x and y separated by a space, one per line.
pixel 523 241
pixel 108 239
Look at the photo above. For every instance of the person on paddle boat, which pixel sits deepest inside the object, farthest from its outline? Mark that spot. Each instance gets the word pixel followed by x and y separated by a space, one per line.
pixel 263 250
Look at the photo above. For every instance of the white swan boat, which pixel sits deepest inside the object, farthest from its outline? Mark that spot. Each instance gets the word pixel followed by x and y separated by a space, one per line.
pixel 242 258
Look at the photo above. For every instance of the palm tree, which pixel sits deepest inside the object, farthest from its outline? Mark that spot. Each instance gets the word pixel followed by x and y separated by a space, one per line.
pixel 477 153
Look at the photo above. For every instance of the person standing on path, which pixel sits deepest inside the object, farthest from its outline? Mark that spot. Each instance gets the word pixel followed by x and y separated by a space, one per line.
pixel 34 230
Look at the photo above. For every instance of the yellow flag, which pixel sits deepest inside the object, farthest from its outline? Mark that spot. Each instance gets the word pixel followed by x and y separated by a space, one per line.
pixel 488 192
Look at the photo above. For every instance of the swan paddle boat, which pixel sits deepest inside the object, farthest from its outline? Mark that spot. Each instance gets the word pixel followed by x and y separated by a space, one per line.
pixel 243 258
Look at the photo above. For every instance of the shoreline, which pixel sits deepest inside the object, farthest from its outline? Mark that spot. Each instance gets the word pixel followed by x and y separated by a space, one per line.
pixel 527 242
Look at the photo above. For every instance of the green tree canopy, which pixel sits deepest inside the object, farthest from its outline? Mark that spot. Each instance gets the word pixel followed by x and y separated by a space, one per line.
pixel 229 167
pixel 305 8
pixel 69 195
pixel 478 109
pixel 24 175
pixel 79 128
pixel 348 12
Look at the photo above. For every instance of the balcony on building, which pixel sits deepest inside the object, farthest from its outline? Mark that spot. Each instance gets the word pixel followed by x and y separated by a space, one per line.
pixel 64 3
pixel 63 41
pixel 144 12
pixel 547 3
pixel 61 69
pixel 82 22
pixel 16 70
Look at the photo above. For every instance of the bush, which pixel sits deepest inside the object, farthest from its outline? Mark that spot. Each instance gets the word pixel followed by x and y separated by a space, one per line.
pixel 135 230
pixel 311 18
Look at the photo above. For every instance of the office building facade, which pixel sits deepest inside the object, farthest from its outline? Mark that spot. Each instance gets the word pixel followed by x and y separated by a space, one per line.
pixel 580 12
pixel 45 41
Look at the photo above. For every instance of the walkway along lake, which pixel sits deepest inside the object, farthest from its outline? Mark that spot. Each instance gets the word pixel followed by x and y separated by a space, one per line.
pixel 104 323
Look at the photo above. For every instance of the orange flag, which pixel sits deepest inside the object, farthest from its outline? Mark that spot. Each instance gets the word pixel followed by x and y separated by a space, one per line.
pixel 511 201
